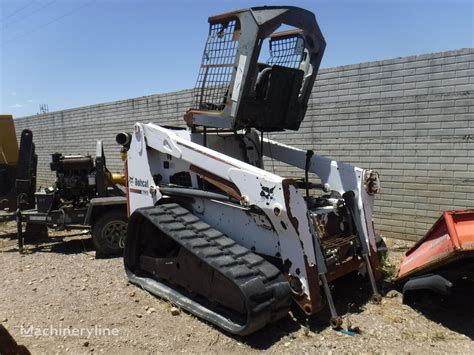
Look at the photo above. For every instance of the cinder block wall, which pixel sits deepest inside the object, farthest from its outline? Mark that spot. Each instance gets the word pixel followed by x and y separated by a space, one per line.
pixel 410 118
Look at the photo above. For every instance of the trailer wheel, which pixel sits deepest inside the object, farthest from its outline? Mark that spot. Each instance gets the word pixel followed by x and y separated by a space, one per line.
pixel 109 232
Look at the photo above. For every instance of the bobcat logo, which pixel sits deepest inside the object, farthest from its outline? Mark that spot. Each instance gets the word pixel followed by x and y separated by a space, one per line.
pixel 137 182
pixel 267 192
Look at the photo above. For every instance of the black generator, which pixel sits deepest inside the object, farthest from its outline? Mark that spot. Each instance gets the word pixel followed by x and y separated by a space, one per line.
pixel 75 177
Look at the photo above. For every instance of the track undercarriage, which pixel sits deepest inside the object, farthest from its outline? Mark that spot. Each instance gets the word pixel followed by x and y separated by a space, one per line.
pixel 177 256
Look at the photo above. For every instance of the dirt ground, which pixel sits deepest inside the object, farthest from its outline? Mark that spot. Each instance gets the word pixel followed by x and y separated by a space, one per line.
pixel 58 298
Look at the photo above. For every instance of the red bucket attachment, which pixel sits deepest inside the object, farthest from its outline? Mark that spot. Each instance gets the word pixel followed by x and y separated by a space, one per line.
pixel 449 240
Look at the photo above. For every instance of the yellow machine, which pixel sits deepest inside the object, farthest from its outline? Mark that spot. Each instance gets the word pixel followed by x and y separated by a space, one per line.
pixel 8 143
pixel 17 167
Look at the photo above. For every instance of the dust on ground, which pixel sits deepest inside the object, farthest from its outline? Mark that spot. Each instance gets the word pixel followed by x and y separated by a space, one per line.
pixel 81 304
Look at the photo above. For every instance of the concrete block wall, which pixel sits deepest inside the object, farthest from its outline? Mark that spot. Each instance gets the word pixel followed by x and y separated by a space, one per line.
pixel 410 118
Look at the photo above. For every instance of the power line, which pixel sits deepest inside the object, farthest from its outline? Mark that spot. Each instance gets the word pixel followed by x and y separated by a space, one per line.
pixel 29 15
pixel 48 23
pixel 18 10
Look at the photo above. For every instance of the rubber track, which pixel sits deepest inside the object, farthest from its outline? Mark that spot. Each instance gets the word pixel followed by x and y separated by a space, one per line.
pixel 265 288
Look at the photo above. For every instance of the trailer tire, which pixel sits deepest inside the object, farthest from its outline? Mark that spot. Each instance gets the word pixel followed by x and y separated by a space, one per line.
pixel 109 232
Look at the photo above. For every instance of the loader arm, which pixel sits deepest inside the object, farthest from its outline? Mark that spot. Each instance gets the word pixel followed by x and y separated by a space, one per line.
pixel 336 176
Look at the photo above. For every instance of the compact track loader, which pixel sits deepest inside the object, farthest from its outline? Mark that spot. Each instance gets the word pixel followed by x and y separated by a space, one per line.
pixel 214 232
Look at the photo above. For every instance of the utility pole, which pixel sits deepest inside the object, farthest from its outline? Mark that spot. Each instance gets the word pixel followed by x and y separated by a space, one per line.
pixel 43 108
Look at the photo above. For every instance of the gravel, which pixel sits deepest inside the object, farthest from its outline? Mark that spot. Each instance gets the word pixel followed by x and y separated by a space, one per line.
pixel 59 286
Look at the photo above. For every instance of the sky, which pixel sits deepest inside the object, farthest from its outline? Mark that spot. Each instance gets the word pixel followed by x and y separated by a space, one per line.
pixel 71 53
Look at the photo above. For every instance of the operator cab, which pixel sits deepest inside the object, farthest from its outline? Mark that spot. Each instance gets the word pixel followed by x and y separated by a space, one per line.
pixel 236 91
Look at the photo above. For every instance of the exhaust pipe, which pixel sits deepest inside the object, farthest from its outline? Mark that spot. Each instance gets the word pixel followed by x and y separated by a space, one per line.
pixel 123 139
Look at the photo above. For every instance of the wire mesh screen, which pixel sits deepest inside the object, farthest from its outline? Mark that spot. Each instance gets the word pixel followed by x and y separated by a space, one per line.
pixel 217 67
pixel 286 51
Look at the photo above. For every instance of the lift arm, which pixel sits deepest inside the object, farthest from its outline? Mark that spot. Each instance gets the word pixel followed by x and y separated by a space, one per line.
pixel 336 176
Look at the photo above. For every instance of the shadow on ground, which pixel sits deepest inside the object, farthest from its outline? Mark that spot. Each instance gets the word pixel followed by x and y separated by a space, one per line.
pixel 56 244
pixel 73 246
pixel 350 294
pixel 70 243
pixel 455 311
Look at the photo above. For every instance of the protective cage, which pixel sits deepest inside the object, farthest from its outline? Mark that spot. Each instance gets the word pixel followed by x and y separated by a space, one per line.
pixel 234 90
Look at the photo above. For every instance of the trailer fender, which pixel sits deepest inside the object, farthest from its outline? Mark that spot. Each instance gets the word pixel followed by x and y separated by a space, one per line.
pixel 103 204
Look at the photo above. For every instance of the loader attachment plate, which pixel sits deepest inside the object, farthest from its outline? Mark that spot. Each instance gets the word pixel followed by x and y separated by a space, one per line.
pixel 174 255
pixel 446 250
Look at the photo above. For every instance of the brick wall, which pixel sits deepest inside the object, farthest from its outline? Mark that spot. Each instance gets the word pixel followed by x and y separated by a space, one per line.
pixel 410 118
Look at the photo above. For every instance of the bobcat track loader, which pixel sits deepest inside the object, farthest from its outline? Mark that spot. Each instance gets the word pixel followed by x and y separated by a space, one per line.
pixel 214 232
